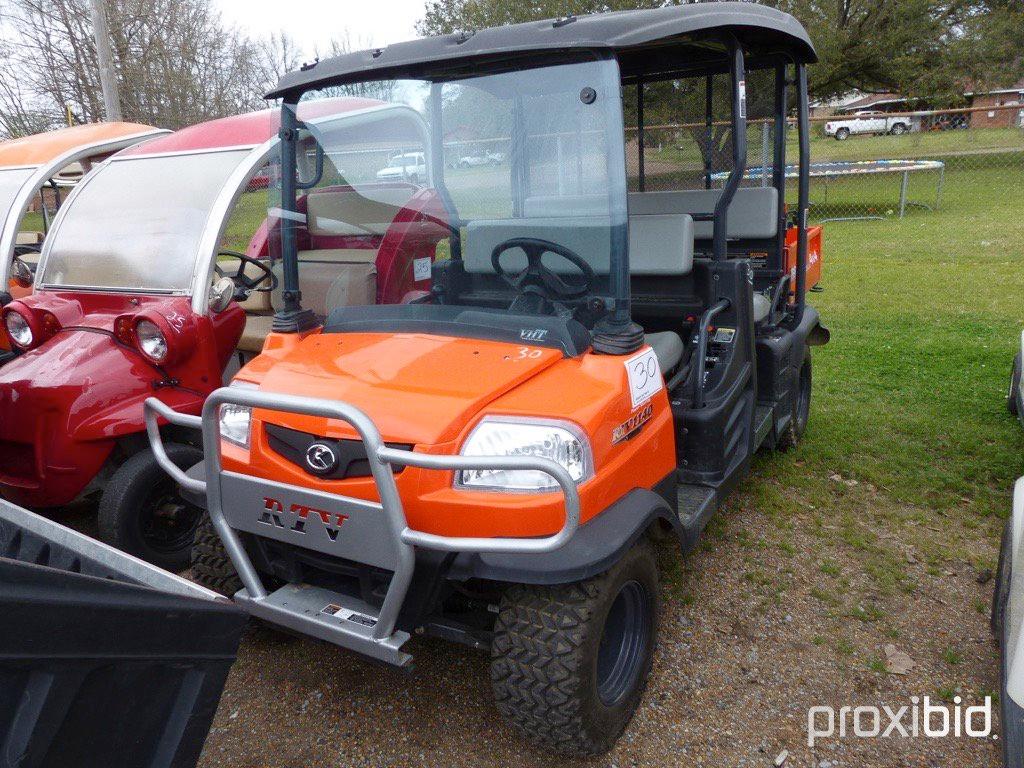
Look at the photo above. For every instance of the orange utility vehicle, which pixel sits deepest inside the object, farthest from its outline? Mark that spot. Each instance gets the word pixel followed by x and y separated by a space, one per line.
pixel 43 168
pixel 607 340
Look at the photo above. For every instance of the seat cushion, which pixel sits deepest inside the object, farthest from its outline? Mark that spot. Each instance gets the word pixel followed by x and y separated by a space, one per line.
pixel 257 328
pixel 333 277
pixel 332 212
pixel 753 212
pixel 668 348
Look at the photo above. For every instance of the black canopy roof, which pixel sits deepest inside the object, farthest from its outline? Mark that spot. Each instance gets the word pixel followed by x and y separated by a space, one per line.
pixel 647 42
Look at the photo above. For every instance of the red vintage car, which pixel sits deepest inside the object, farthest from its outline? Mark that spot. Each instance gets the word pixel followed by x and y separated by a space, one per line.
pixel 40 170
pixel 158 279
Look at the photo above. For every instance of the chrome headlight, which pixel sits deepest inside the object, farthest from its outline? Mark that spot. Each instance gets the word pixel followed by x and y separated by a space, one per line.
pixel 151 340
pixel 234 423
pixel 18 329
pixel 560 441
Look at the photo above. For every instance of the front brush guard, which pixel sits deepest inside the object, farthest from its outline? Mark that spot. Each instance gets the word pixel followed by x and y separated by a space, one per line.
pixel 382 537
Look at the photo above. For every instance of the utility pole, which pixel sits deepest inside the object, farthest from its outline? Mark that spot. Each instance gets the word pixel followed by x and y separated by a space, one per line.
pixel 108 77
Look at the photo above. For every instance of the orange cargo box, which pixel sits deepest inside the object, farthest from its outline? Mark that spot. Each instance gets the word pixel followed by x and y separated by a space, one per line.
pixel 813 257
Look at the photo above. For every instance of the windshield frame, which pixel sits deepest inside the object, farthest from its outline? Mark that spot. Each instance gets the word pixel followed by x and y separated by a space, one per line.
pixel 44 171
pixel 295 318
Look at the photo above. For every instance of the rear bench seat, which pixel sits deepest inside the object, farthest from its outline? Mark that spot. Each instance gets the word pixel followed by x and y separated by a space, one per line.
pixel 330 277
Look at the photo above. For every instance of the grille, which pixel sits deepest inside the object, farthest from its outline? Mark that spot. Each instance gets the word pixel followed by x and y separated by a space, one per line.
pixel 350 455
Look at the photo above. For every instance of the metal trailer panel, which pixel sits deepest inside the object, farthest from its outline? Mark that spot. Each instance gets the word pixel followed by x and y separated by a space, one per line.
pixel 106 661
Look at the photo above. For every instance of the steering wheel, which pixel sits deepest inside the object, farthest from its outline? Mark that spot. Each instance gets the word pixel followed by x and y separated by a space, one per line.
pixel 538 280
pixel 244 285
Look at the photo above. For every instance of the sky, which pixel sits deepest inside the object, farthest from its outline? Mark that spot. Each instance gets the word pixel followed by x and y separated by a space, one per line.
pixel 314 23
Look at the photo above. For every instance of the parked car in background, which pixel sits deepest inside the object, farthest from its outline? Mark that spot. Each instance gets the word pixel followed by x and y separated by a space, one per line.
pixel 484 158
pixel 867 122
pixel 409 166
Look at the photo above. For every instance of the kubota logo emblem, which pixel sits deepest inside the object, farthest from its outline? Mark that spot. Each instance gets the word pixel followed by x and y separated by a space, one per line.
pixel 298 515
pixel 320 458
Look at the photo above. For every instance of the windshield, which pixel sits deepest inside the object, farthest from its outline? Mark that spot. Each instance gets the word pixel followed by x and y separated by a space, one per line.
pixel 137 223
pixel 11 182
pixel 453 172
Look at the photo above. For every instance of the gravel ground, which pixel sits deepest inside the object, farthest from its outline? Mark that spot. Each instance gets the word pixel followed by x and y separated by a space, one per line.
pixel 773 614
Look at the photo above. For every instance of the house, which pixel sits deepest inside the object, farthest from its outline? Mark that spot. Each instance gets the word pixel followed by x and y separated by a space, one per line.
pixel 877 102
pixel 991 106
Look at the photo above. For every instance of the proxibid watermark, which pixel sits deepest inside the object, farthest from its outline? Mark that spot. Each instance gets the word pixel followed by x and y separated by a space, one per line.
pixel 921 717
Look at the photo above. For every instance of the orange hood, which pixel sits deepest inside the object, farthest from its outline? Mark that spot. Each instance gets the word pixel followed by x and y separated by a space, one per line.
pixel 418 389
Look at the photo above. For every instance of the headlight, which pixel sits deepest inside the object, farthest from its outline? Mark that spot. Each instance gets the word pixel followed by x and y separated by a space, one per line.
pixel 151 340
pixel 559 441
pixel 19 329
pixel 234 423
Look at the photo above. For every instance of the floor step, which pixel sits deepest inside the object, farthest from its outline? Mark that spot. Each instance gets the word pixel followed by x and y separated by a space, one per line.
pixel 695 505
pixel 762 424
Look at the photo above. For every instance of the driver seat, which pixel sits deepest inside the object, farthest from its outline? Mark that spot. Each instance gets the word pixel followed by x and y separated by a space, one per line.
pixel 668 348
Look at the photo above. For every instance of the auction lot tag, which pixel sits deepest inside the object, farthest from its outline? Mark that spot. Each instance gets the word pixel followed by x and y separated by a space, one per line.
pixel 644 377
pixel 421 269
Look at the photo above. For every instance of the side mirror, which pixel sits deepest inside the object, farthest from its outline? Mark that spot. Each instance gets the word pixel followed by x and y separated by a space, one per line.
pixel 22 273
pixel 221 294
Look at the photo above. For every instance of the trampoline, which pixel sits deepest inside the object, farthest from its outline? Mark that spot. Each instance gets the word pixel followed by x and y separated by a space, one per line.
pixel 838 169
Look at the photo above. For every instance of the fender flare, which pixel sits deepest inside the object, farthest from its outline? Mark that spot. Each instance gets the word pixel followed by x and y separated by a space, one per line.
pixel 597 545
pixel 811 331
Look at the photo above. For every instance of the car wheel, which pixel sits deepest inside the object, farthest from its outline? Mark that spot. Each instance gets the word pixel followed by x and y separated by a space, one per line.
pixel 1011 714
pixel 898 129
pixel 842 134
pixel 793 433
pixel 142 512
pixel 1013 394
pixel 569 663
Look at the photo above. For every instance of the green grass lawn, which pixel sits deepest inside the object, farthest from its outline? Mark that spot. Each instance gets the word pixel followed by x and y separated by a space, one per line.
pixel 925 315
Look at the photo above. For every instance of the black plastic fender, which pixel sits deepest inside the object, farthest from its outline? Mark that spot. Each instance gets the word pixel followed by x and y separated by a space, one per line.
pixel 811 331
pixel 597 544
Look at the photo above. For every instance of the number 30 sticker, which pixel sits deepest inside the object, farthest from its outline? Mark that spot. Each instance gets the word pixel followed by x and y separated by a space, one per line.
pixel 644 377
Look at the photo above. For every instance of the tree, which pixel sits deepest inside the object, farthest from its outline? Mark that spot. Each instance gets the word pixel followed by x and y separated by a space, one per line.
pixel 177 63
pixel 927 48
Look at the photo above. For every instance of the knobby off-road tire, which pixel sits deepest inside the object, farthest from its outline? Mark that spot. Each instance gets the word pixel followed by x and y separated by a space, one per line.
pixel 791 436
pixel 141 511
pixel 211 566
pixel 552 675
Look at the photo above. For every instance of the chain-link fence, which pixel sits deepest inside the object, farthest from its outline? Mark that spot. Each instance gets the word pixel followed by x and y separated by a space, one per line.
pixel 862 166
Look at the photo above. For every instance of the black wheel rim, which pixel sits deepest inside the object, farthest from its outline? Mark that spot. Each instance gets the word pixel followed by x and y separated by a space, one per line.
pixel 624 641
pixel 167 523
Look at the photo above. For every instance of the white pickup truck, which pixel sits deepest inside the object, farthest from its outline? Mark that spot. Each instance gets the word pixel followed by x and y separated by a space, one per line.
pixel 867 122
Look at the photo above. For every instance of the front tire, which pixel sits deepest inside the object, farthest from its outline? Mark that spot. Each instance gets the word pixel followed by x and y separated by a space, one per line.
pixel 842 134
pixel 570 662
pixel 211 566
pixel 898 129
pixel 143 513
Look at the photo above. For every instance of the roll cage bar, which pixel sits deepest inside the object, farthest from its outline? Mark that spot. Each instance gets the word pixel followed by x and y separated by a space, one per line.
pixel 293 318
